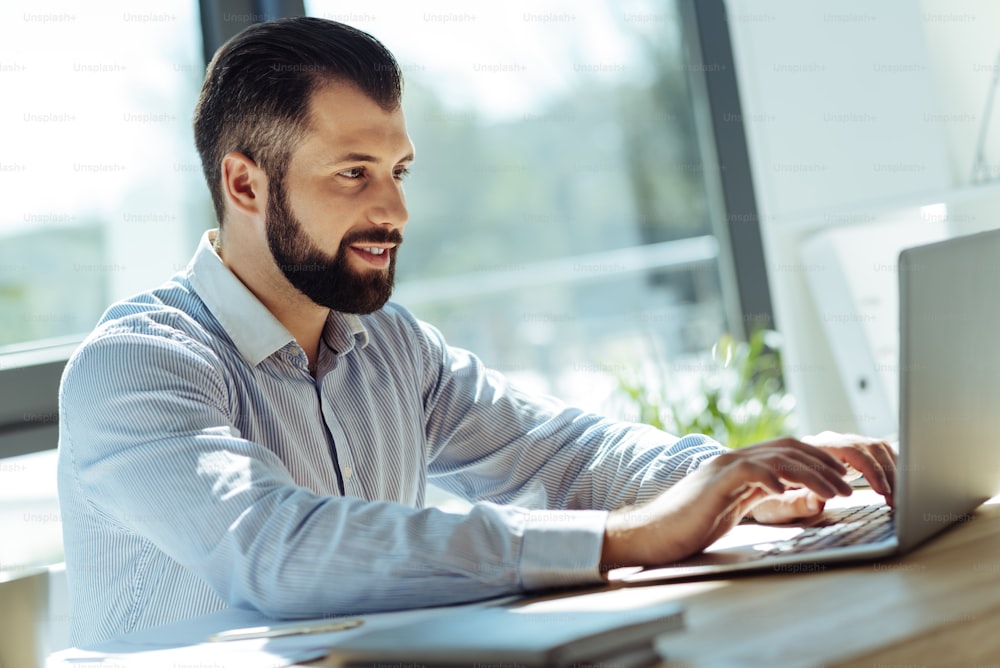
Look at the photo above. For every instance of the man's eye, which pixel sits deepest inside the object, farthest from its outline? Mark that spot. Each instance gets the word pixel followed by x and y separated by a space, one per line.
pixel 402 173
pixel 353 173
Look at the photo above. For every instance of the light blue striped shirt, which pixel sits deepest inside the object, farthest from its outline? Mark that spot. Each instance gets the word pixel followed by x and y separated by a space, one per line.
pixel 202 466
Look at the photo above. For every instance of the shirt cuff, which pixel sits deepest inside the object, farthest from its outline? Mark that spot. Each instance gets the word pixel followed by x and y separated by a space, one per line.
pixel 562 548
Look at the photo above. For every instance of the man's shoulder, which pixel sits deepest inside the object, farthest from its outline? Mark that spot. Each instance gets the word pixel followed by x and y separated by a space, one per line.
pixel 173 312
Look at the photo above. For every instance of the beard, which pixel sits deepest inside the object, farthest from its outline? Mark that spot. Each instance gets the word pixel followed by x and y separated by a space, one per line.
pixel 327 280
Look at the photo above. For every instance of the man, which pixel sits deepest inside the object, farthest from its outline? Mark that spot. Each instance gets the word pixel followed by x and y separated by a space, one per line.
pixel 258 432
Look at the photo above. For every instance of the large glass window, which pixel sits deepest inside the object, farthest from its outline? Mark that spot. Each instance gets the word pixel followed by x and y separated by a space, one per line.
pixel 102 196
pixel 102 188
pixel 559 224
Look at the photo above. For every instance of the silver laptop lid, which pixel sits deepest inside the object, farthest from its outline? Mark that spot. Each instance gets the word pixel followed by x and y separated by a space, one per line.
pixel 949 383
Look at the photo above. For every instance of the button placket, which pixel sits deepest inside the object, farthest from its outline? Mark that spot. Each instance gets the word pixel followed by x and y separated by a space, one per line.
pixel 344 458
pixel 339 443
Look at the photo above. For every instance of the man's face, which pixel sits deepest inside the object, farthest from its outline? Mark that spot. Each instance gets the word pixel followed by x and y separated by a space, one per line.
pixel 334 225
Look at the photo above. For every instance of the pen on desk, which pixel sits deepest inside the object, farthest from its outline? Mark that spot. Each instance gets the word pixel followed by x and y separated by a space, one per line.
pixel 290 630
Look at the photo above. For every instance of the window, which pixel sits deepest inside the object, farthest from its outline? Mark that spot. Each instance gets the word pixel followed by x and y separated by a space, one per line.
pixel 559 224
pixel 103 194
pixel 560 219
pixel 102 197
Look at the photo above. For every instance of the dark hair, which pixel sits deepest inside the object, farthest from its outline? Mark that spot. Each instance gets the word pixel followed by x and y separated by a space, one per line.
pixel 257 89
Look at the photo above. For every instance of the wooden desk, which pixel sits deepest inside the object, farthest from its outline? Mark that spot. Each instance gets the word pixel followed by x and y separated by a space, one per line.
pixel 939 606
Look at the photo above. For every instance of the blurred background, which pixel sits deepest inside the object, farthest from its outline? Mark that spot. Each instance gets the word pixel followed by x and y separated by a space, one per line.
pixel 558 157
pixel 609 198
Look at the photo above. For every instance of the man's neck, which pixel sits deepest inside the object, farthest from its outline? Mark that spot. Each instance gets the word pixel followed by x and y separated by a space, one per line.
pixel 300 316
pixel 303 318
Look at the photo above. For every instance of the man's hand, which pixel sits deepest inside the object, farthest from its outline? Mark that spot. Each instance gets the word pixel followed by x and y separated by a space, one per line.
pixel 783 479
pixel 869 457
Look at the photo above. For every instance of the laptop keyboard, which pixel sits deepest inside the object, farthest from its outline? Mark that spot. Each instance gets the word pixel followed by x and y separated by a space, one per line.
pixel 840 527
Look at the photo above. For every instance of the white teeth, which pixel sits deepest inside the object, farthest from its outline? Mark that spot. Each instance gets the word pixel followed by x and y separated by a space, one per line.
pixel 375 251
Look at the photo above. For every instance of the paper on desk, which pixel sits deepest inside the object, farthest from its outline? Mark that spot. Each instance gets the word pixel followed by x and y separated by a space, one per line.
pixel 194 655
pixel 185 642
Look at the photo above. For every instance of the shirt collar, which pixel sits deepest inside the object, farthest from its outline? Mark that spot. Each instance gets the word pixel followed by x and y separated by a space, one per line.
pixel 254 330
pixel 339 323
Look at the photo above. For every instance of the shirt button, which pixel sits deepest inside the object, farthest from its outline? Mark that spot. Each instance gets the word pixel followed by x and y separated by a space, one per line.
pixel 347 471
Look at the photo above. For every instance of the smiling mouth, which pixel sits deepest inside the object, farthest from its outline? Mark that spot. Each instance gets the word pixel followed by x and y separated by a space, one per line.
pixel 374 256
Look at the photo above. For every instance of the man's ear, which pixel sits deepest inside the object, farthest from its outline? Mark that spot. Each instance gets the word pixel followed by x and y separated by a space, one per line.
pixel 244 184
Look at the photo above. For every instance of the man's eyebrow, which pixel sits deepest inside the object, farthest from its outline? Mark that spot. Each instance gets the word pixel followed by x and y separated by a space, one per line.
pixel 364 157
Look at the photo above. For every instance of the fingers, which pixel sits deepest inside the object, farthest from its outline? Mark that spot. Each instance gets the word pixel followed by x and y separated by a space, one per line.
pixel 873 458
pixel 738 472
pixel 886 458
pixel 810 448
pixel 824 481
pixel 798 464
pixel 876 462
pixel 789 507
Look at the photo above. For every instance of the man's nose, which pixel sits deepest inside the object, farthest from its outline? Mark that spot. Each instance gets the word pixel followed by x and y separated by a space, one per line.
pixel 389 206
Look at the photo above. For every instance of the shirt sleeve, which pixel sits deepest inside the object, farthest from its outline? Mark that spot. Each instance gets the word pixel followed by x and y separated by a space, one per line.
pixel 492 441
pixel 150 450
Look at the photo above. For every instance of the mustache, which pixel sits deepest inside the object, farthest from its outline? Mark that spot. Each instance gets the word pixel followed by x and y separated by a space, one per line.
pixel 376 236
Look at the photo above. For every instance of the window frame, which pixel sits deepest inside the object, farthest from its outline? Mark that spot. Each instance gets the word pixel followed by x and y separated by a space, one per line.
pixel 732 200
pixel 29 396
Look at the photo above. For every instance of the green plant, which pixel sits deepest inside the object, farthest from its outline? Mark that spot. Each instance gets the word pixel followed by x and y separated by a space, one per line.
pixel 734 394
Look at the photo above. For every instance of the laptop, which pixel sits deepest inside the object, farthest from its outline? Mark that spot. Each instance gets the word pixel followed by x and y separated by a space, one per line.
pixel 949 425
